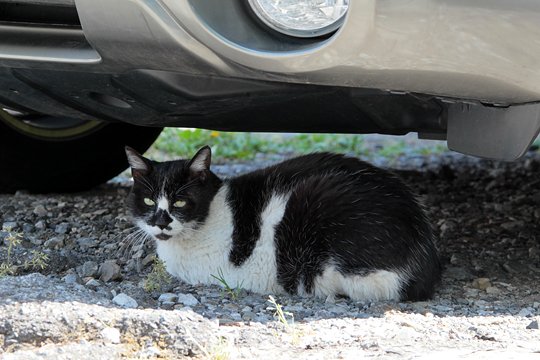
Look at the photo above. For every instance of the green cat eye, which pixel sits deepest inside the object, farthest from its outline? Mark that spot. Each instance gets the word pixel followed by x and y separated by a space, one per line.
pixel 179 203
pixel 149 202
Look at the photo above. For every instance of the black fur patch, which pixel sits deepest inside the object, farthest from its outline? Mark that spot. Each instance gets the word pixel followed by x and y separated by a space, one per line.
pixel 342 210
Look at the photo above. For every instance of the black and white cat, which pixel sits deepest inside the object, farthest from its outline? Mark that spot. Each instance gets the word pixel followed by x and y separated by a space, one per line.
pixel 321 224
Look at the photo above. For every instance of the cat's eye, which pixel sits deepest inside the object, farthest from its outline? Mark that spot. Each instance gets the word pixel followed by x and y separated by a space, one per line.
pixel 149 202
pixel 179 203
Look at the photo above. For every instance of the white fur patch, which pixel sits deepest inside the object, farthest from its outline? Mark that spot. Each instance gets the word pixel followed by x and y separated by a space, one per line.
pixel 163 203
pixel 377 285
pixel 202 158
pixel 198 254
pixel 136 162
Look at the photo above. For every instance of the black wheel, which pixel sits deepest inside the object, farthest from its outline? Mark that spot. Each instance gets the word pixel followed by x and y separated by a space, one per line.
pixel 52 154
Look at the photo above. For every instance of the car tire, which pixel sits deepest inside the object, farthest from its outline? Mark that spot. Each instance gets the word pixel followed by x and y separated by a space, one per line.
pixel 67 161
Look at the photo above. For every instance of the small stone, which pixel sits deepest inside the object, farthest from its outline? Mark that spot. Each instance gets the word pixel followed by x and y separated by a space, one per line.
pixel 33 239
pixel 86 242
pixel 481 283
pixel 508 268
pixel 458 273
pixel 92 283
pixel 167 305
pixel 61 228
pixel 111 335
pixel 54 242
pixel 493 290
pixel 72 278
pixel 125 301
pixel 235 316
pixel 41 225
pixel 27 228
pixel 40 211
pixel 534 252
pixel 512 225
pixel 187 299
pixel 533 325
pixel 150 352
pixel 168 297
pixel 525 312
pixel 89 269
pixel 9 225
pixel 249 316
pixel 109 270
pixel 470 293
pixel 148 259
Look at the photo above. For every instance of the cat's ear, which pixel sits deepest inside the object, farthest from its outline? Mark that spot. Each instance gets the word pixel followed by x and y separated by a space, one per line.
pixel 140 166
pixel 200 164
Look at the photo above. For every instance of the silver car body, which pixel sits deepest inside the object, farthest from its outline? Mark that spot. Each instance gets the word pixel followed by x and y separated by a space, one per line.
pixel 480 57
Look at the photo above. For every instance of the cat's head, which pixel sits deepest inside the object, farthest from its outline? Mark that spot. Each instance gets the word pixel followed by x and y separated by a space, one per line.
pixel 171 199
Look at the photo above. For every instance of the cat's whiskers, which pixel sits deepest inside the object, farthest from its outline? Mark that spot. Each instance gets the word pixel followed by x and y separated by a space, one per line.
pixel 120 238
pixel 132 243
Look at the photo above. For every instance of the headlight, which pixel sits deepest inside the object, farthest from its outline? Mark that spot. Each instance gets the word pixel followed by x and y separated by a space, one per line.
pixel 301 18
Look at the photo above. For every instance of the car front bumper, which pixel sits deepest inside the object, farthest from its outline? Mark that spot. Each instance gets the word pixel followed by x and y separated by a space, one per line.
pixel 393 67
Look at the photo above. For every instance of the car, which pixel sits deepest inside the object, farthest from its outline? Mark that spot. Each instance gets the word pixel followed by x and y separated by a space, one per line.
pixel 80 79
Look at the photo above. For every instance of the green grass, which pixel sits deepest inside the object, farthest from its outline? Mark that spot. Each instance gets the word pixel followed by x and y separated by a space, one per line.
pixel 246 146
pixel 37 261
pixel 13 240
pixel 158 278
pixel 280 314
pixel 233 293
pixel 182 143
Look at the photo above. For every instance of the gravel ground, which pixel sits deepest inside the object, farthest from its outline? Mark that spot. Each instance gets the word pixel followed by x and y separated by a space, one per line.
pixel 90 300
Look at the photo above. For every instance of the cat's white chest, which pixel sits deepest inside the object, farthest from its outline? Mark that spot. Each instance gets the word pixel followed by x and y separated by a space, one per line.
pixel 205 254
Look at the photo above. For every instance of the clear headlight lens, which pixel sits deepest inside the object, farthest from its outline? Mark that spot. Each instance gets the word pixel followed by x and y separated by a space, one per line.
pixel 301 18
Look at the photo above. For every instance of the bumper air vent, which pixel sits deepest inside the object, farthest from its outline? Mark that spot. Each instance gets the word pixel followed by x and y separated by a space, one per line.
pixel 51 13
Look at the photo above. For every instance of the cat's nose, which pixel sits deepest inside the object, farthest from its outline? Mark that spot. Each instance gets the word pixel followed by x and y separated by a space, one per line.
pixel 162 220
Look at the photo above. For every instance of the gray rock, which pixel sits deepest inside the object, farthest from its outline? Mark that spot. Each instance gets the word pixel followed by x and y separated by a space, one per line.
pixel 526 312
pixel 167 305
pixel 55 242
pixel 40 211
pixel 533 325
pixel 10 225
pixel 87 242
pixel 512 225
pixel 61 228
pixel 109 270
pixel 37 287
pixel 92 283
pixel 492 290
pixel 72 278
pixel 481 283
pixel 89 269
pixel 27 228
pixel 168 297
pixel 187 299
pixel 125 301
pixel 41 225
